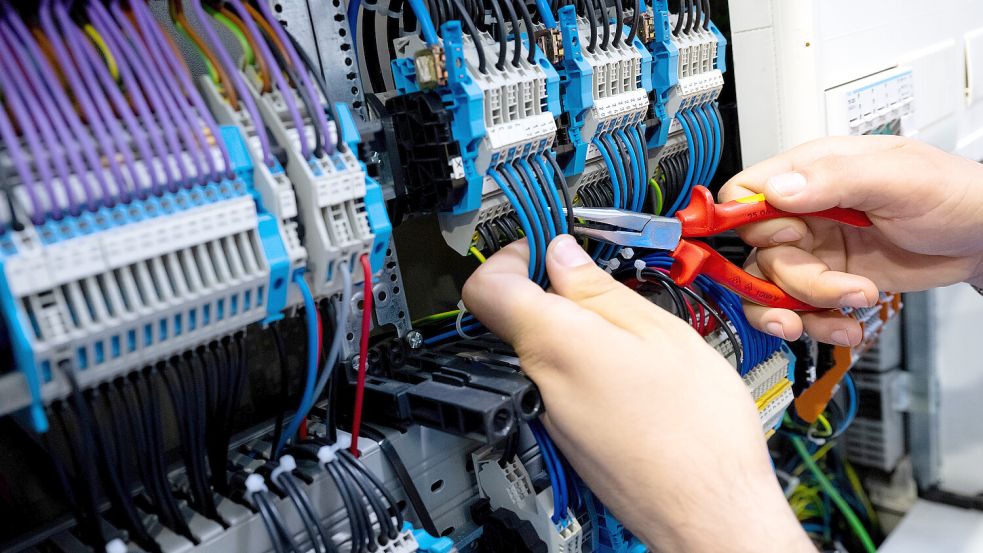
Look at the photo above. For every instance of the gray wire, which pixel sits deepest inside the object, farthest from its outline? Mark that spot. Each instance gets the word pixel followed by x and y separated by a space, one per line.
pixel 341 322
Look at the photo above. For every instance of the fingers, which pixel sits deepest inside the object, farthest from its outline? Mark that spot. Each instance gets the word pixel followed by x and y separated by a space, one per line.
pixel 574 276
pixel 809 279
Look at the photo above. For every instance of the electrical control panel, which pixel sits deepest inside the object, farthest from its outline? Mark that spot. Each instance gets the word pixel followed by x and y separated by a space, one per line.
pixel 233 236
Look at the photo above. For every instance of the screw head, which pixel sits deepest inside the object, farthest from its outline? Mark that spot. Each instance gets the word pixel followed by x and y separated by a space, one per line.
pixel 414 339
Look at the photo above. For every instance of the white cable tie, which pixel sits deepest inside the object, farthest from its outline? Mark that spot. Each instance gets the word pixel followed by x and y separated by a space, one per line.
pixel 639 267
pixel 255 483
pixel 326 454
pixel 457 322
pixel 287 464
pixel 116 545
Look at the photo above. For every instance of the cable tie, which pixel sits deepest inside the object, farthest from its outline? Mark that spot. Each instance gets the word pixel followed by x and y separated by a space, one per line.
pixel 116 545
pixel 255 483
pixel 457 322
pixel 287 464
pixel 627 253
pixel 326 454
pixel 639 267
pixel 612 264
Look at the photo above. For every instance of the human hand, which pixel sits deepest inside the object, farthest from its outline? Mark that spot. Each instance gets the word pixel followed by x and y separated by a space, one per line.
pixel 927 210
pixel 656 422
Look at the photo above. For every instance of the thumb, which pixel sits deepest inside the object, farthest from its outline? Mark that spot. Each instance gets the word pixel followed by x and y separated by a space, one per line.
pixel 873 182
pixel 575 276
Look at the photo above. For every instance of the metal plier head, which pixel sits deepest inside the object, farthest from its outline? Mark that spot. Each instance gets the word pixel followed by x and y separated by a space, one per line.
pixel 628 228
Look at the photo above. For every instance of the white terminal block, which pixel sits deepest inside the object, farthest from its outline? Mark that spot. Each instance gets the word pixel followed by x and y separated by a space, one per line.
pixel 765 376
pixel 331 195
pixel 404 542
pixel 871 104
pixel 619 99
pixel 511 488
pixel 133 295
pixel 699 79
pixel 275 189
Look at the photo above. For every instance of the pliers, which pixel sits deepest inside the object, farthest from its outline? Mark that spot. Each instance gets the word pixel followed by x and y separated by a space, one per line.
pixel 702 218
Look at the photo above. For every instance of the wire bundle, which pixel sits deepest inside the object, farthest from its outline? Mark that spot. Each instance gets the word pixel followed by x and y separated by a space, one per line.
pixel 124 124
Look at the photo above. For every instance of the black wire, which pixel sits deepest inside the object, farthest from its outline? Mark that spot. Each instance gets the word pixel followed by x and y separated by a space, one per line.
pixel 405 480
pixel 475 36
pixel 698 14
pixel 679 18
pixel 561 184
pixel 286 483
pixel 635 16
pixel 319 79
pixel 619 21
pixel 738 353
pixel 592 18
pixel 377 484
pixel 689 16
pixel 353 506
pixel 500 31
pixel 706 14
pixel 605 24
pixel 290 483
pixel 528 209
pixel 517 51
pixel 541 210
pixel 511 227
pixel 281 538
pixel 382 515
pixel 490 244
pixel 626 164
pixel 283 392
pixel 530 30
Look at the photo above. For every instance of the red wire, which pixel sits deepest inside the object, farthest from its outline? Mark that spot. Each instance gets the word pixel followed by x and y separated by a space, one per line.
pixel 363 353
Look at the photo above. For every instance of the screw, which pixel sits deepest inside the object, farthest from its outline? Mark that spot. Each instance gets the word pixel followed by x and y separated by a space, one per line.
pixel 414 339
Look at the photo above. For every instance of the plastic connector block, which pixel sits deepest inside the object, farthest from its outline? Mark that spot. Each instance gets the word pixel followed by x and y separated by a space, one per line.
pixel 608 534
pixel 510 487
pixel 341 209
pixel 603 91
pixel 431 159
pixel 501 116
pixel 770 384
pixel 430 544
pixel 153 278
pixel 270 183
pixel 665 75
pixel 404 542
pixel 700 67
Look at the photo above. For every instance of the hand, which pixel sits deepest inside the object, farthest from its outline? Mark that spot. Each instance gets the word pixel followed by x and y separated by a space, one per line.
pixel 927 210
pixel 657 423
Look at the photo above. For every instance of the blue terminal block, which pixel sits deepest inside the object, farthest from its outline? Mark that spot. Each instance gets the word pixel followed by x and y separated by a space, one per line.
pixel 375 205
pixel 665 72
pixel 428 543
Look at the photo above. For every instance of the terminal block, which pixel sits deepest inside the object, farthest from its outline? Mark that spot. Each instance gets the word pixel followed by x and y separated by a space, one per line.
pixel 503 119
pixel 128 286
pixel 770 384
pixel 507 485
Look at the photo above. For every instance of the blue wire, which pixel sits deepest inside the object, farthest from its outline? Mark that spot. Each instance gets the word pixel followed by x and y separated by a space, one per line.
pixel 307 401
pixel 619 165
pixel 636 137
pixel 698 139
pixel 426 24
pixel 539 233
pixel 523 220
pixel 635 152
pixel 440 337
pixel 688 181
pixel 615 187
pixel 631 172
pixel 352 15
pixel 718 133
pixel 546 14
pixel 550 186
pixel 553 468
pixel 538 191
pixel 697 115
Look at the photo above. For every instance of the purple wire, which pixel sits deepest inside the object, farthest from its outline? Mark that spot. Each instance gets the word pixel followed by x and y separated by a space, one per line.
pixel 39 105
pixel 102 114
pixel 21 164
pixel 80 93
pixel 244 94
pixel 281 83
pixel 178 105
pixel 161 142
pixel 152 29
pixel 159 116
pixel 295 60
pixel 163 92
pixel 27 129
pixel 65 110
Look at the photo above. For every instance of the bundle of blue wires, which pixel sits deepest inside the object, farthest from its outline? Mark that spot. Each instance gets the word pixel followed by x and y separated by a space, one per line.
pixel 756 345
pixel 704 136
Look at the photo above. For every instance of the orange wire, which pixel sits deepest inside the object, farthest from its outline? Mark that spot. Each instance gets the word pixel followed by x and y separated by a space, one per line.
pixel 177 14
pixel 258 17
pixel 264 70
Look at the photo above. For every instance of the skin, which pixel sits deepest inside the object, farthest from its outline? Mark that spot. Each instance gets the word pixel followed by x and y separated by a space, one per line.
pixel 655 421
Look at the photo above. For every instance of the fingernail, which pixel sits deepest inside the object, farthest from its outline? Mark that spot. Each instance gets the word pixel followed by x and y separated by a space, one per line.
pixel 841 338
pixel 787 184
pixel 854 299
pixel 568 253
pixel 776 329
pixel 787 234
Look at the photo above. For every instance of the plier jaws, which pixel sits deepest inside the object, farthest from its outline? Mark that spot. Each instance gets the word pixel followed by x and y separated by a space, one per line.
pixel 628 228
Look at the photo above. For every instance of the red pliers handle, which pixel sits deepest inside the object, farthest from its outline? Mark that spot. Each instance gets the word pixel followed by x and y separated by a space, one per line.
pixel 703 217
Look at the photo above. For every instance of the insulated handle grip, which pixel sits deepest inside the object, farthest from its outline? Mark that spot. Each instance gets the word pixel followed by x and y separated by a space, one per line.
pixel 694 258
pixel 704 217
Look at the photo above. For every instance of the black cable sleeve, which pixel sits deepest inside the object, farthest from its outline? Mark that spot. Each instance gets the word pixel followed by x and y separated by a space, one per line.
pixel 530 30
pixel 592 18
pixel 500 31
pixel 633 28
pixel 679 18
pixel 517 39
pixel 619 22
pixel 605 23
